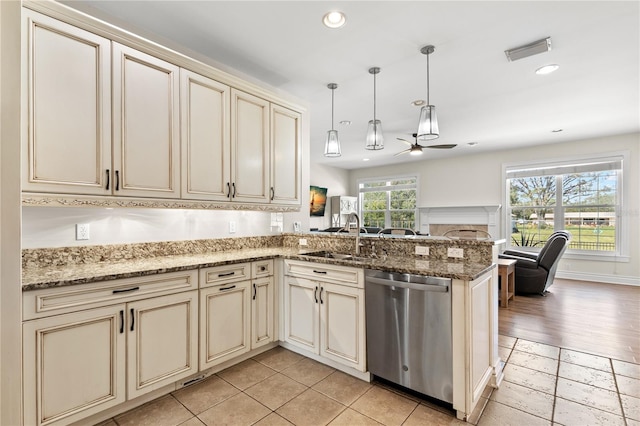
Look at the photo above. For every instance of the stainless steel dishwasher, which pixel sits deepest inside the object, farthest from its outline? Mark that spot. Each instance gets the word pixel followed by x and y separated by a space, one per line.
pixel 409 331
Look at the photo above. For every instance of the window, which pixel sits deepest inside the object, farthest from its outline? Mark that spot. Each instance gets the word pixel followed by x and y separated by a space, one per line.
pixel 583 197
pixel 388 203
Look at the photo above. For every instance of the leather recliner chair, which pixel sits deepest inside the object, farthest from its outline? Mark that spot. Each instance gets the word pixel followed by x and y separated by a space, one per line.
pixel 535 272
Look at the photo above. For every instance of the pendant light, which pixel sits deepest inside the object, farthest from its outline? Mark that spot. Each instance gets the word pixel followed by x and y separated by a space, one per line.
pixel 332 145
pixel 374 139
pixel 428 123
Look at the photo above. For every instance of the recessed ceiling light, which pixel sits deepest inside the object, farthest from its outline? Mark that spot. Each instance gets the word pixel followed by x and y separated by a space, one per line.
pixel 547 69
pixel 365 159
pixel 418 102
pixel 334 19
pixel 345 122
pixel 556 130
pixel 472 143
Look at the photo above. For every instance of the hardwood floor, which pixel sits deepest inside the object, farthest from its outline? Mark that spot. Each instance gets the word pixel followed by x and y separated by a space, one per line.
pixel 602 319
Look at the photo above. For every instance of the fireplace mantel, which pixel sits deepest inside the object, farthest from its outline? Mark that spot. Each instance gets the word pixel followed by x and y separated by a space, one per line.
pixel 488 215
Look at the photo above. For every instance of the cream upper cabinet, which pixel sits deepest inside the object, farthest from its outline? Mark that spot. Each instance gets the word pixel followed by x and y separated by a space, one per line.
pixel 206 144
pixel 249 148
pixel 67 130
pixel 146 127
pixel 74 365
pixel 285 156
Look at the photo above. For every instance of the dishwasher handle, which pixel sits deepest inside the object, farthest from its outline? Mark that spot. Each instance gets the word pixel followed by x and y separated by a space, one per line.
pixel 423 287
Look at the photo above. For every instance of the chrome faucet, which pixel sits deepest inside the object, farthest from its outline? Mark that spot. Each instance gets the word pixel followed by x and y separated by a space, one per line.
pixel 348 225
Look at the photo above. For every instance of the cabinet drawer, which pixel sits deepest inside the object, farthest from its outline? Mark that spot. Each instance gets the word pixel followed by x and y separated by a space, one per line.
pixel 54 301
pixel 262 268
pixel 319 271
pixel 224 274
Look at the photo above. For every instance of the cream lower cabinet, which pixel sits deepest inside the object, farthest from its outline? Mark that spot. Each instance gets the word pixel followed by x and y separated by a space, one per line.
pixel 236 310
pixel 74 365
pixel 326 316
pixel 162 341
pixel 89 349
pixel 262 312
pixel 224 322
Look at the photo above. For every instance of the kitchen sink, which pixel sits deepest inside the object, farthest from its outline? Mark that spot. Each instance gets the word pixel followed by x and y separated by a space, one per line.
pixel 337 256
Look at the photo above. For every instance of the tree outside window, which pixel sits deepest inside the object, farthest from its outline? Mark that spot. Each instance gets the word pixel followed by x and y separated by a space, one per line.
pixel 389 203
pixel 583 201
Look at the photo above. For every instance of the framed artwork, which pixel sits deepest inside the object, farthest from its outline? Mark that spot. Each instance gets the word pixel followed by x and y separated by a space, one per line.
pixel 317 200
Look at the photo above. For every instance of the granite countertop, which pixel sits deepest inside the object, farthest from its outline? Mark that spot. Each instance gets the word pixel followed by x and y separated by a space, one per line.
pixel 34 278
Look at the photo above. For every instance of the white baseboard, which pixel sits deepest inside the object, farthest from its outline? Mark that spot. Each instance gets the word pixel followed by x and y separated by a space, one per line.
pixel 601 278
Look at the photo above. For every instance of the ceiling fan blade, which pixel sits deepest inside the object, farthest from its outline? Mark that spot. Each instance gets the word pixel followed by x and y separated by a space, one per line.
pixel 443 146
pixel 405 141
pixel 402 152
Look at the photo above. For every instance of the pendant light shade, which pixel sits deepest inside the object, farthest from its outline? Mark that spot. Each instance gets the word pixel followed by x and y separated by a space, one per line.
pixel 332 144
pixel 428 122
pixel 374 140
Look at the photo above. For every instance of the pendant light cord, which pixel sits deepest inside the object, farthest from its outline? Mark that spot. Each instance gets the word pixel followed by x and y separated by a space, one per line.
pixel 428 103
pixel 332 90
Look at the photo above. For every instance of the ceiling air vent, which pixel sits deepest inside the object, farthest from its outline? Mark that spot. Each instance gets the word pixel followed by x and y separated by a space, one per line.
pixel 530 49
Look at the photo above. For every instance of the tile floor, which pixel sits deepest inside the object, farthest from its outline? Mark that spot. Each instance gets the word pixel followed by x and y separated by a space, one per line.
pixel 543 385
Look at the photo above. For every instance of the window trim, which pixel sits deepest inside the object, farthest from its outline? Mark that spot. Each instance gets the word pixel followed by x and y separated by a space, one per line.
pixel 622 219
pixel 387 215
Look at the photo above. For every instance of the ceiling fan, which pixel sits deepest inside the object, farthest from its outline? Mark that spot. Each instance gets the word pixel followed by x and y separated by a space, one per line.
pixel 416 149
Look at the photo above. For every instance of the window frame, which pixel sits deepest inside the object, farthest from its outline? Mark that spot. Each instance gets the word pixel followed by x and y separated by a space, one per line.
pixel 622 252
pixel 388 210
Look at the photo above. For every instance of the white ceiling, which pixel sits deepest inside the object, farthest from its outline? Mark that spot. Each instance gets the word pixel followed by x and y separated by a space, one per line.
pixel 479 95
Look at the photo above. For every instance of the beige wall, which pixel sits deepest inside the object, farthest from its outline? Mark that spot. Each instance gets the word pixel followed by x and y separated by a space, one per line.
pixel 477 180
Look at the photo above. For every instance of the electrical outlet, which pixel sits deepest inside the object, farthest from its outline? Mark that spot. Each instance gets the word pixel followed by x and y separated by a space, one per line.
pixel 303 241
pixel 82 231
pixel 455 252
pixel 232 227
pixel 422 250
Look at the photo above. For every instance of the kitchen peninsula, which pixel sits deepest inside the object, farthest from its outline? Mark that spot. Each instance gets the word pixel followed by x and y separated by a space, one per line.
pixel 123 282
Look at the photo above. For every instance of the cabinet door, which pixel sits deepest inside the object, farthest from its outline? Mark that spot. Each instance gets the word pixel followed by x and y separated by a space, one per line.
pixel 67 130
pixel 342 332
pixel 285 156
pixel 74 365
pixel 146 139
pixel 250 148
pixel 224 322
pixel 162 341
pixel 301 316
pixel 206 144
pixel 262 312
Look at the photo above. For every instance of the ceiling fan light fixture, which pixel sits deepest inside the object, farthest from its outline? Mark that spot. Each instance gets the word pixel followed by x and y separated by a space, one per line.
pixel 428 122
pixel 332 144
pixel 415 150
pixel 374 140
